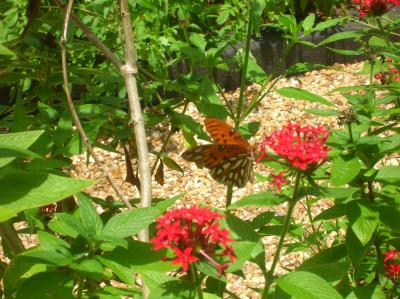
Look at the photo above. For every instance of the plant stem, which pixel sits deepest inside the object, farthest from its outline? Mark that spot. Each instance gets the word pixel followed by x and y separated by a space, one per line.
pixel 262 92
pixel 292 202
pixel 196 280
pixel 74 114
pixel 129 71
pixel 384 32
pixel 10 237
pixel 310 218
pixel 229 193
pixel 371 91
pixel 244 73
pixel 92 37
pixel 350 132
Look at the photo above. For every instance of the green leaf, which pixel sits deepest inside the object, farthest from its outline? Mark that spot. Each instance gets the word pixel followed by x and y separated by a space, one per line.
pixel 210 103
pixel 276 230
pixel 48 257
pixel 263 199
pixel 188 139
pixel 188 124
pixel 244 234
pixel 389 173
pixel 346 52
pixel 302 67
pixel 355 250
pixel 137 257
pixel 210 270
pixel 90 268
pixel 328 23
pixel 51 242
pixel 17 152
pixel 245 251
pixel 364 219
pixel 256 10
pixel 390 216
pixel 322 112
pixel 6 52
pixel 21 191
pixel 171 164
pixel 109 242
pixel 215 286
pixel 47 285
pixel 109 292
pixel 129 223
pixel 64 129
pixel 301 94
pixel 330 255
pixel 164 204
pixel 21 140
pixel 306 285
pixel 75 145
pixel 67 225
pixel 308 23
pixel 340 36
pixel 372 291
pixel 20 269
pixel 48 111
pixel 249 130
pixel 198 40
pixel 254 72
pixel 323 192
pixel 167 287
pixel 152 119
pixel 262 219
pixel 331 272
pixel 91 220
pixel 344 170
pixel 336 211
pixel 377 42
pixel 90 110
pixel 211 296
pixel 20 118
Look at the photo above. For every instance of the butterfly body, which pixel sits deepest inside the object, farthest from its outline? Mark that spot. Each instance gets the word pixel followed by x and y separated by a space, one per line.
pixel 229 158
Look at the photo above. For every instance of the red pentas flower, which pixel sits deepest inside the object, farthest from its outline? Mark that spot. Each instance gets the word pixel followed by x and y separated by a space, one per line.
pixel 375 7
pixel 278 180
pixel 193 234
pixel 303 148
pixel 392 264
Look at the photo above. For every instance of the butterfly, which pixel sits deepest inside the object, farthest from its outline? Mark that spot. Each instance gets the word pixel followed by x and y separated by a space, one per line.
pixel 229 158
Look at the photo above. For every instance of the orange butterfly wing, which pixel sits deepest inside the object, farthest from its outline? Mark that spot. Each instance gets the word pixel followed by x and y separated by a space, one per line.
pixel 223 133
pixel 228 159
pixel 212 155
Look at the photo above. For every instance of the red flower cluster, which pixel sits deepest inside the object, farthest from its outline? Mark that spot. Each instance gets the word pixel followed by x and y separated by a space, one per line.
pixel 392 264
pixel 193 233
pixel 303 147
pixel 375 7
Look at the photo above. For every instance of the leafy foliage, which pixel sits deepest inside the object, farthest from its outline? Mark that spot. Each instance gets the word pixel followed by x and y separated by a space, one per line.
pixel 85 244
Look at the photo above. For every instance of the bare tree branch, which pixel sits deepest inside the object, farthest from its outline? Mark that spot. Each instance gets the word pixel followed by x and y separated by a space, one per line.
pixel 129 72
pixel 78 124
pixel 92 37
